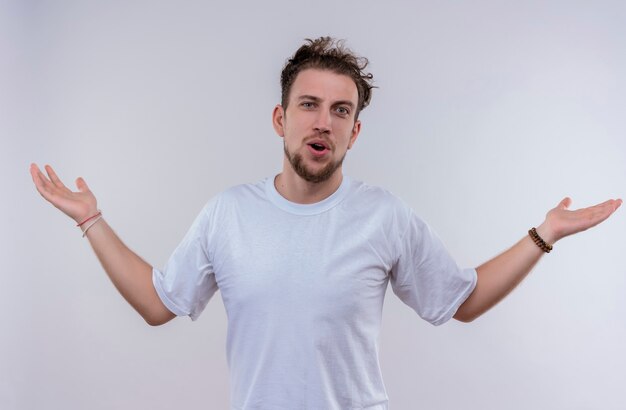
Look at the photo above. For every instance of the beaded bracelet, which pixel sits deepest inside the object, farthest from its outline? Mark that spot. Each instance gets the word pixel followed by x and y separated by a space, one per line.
pixel 539 241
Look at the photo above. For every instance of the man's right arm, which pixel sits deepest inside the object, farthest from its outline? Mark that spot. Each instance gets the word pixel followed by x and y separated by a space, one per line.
pixel 130 274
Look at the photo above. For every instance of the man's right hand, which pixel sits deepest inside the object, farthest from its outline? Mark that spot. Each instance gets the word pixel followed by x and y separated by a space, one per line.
pixel 130 274
pixel 77 205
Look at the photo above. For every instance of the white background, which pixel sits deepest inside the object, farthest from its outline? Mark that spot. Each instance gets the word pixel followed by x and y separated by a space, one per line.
pixel 487 114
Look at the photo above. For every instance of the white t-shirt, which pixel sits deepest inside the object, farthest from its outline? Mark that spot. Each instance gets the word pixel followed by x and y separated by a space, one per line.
pixel 303 288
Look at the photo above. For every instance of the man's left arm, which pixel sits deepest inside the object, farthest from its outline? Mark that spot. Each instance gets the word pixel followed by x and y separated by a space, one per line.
pixel 499 276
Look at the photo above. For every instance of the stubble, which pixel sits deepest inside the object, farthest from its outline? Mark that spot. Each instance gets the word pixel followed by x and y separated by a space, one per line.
pixel 297 163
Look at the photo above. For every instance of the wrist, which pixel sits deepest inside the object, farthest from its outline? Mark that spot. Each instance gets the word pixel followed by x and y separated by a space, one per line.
pixel 92 222
pixel 87 216
pixel 547 234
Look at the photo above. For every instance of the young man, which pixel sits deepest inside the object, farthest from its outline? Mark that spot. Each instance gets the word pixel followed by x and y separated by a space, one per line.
pixel 303 259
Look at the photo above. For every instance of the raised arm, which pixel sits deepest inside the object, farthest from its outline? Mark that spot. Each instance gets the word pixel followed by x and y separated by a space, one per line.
pixel 499 276
pixel 130 274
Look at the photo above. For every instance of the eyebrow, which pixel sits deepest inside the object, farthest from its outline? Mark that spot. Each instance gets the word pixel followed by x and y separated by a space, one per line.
pixel 317 99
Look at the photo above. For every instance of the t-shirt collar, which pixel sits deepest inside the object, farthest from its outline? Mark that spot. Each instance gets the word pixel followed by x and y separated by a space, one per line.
pixel 306 209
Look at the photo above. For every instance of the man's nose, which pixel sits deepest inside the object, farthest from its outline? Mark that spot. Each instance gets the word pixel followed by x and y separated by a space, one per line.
pixel 323 122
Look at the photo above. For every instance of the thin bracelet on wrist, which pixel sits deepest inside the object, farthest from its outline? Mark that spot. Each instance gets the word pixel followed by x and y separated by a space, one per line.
pixel 91 224
pixel 90 218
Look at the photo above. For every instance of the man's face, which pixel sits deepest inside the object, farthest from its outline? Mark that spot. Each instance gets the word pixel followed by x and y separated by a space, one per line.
pixel 319 124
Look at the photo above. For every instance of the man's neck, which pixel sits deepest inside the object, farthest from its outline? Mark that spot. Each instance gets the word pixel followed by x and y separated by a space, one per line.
pixel 295 189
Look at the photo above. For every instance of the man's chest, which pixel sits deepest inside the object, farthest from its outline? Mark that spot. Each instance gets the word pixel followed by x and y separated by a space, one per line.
pixel 338 268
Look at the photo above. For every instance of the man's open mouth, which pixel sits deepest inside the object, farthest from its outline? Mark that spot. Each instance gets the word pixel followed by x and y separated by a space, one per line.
pixel 318 147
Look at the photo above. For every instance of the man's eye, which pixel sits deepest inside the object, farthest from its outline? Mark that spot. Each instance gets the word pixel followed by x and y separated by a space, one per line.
pixel 307 104
pixel 343 110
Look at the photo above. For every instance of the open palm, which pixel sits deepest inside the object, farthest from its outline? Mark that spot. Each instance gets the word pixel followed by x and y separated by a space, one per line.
pixel 77 205
pixel 563 222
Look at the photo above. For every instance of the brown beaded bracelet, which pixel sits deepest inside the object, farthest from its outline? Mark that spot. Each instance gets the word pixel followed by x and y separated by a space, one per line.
pixel 539 241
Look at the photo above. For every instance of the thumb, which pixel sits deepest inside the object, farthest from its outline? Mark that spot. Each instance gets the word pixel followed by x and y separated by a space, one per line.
pixel 565 203
pixel 81 185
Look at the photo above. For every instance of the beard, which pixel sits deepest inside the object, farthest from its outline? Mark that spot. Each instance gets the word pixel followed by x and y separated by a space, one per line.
pixel 297 163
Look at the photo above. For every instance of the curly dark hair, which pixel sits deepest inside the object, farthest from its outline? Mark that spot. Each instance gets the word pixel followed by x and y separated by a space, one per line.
pixel 327 53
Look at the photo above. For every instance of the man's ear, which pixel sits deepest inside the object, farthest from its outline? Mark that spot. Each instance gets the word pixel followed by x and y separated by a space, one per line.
pixel 278 120
pixel 355 133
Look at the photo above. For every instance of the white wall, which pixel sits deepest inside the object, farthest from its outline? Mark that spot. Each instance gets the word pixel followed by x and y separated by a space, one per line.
pixel 488 114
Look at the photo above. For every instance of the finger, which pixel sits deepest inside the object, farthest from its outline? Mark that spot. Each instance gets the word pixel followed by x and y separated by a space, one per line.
pixel 610 203
pixel 82 185
pixel 39 178
pixel 565 203
pixel 601 212
pixel 34 172
pixel 601 215
pixel 613 204
pixel 43 185
pixel 55 178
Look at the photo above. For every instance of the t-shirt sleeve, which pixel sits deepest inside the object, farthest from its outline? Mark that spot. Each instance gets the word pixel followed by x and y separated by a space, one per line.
pixel 426 278
pixel 187 281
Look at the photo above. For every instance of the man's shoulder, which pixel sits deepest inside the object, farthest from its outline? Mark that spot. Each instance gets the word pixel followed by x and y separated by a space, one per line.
pixel 378 209
pixel 244 191
pixel 376 200
pixel 236 196
pixel 375 195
